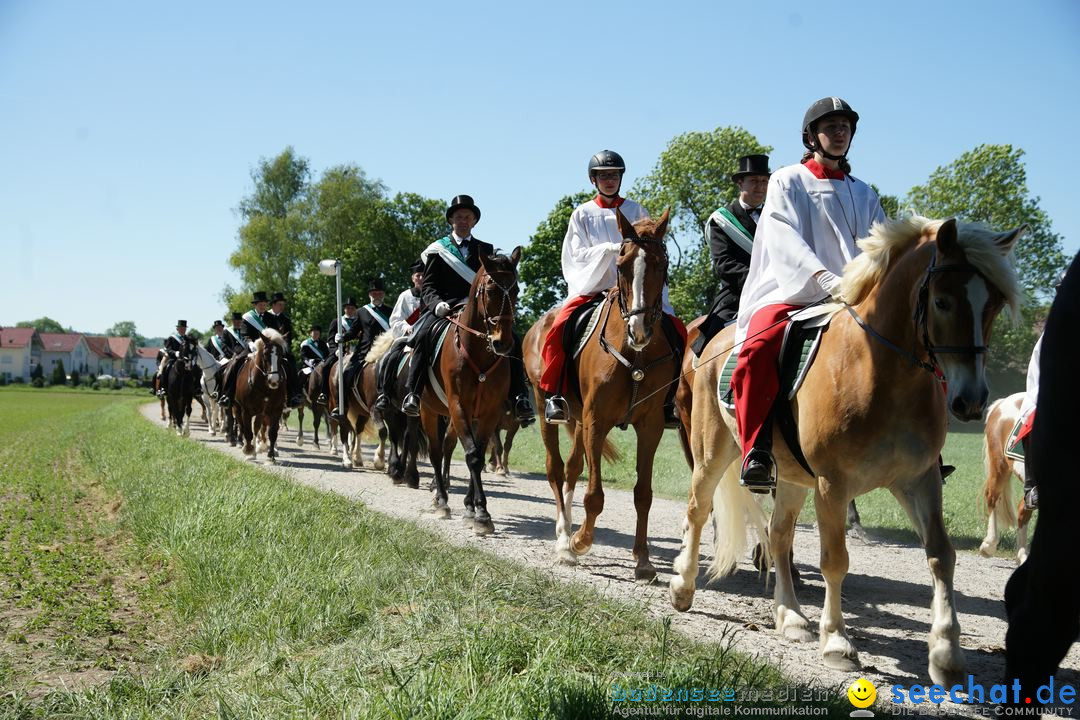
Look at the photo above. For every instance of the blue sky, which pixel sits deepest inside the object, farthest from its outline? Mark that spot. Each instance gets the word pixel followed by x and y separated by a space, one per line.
pixel 128 130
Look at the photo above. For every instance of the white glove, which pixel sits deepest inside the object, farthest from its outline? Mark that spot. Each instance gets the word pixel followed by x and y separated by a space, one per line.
pixel 337 338
pixel 442 309
pixel 829 283
pixel 176 354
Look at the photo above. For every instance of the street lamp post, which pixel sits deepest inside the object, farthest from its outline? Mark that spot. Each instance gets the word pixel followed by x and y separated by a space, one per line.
pixel 333 267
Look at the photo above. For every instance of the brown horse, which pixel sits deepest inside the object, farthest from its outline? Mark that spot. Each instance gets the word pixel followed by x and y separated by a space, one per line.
pixel 474 369
pixel 360 397
pixel 260 392
pixel 871 413
pixel 615 390
pixel 1000 469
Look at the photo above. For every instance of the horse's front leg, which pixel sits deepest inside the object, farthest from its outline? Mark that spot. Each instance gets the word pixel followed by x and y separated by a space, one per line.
pixel 379 459
pixel 475 446
pixel 836 647
pixel 549 434
pixel 433 427
pixel 357 456
pixel 649 432
pixel 271 452
pixel 921 498
pixel 300 426
pixel 593 436
pixel 245 420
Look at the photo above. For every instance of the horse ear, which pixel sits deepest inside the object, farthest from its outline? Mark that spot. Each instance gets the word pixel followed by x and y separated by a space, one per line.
pixel 661 227
pixel 1006 240
pixel 946 237
pixel 626 229
pixel 516 255
pixel 483 262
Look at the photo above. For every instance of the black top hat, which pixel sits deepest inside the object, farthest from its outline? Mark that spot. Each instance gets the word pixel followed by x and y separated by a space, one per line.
pixel 237 316
pixel 315 326
pixel 416 267
pixel 258 297
pixel 752 165
pixel 277 296
pixel 349 301
pixel 218 323
pixel 462 201
pixel 376 284
pixel 181 323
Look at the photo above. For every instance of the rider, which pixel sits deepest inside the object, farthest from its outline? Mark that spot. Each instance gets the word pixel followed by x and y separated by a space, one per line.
pixel 253 323
pixel 589 254
pixel 215 344
pixel 314 349
pixel 278 319
pixel 233 338
pixel 344 329
pixel 730 232
pixel 813 213
pixel 450 264
pixel 406 312
pixel 177 345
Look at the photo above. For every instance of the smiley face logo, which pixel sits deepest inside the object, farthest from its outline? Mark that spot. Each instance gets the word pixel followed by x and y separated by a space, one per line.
pixel 862 693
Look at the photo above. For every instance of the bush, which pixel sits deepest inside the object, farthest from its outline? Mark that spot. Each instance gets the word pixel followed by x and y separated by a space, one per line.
pixel 3 379
pixel 17 380
pixel 37 372
pixel 95 385
pixel 74 378
pixel 59 377
pixel 38 382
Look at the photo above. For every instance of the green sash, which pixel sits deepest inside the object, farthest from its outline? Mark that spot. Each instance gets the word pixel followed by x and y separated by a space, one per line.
pixel 733 229
pixel 451 255
pixel 253 319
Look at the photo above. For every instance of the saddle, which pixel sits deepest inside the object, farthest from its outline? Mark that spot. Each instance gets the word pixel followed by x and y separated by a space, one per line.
pixel 802 337
pixel 581 325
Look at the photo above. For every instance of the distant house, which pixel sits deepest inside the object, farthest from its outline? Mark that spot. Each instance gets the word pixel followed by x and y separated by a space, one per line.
pixel 100 359
pixel 123 349
pixel 68 348
pixel 20 351
pixel 146 362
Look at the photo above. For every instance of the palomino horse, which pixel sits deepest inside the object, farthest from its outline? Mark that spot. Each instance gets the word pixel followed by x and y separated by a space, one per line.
pixel 260 392
pixel 208 374
pixel 606 378
pixel 360 397
pixel 1042 598
pixel 1000 469
pixel 179 386
pixel 473 368
pixel 871 413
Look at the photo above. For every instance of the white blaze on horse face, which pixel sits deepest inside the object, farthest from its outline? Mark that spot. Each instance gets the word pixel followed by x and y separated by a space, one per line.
pixel 966 373
pixel 638 338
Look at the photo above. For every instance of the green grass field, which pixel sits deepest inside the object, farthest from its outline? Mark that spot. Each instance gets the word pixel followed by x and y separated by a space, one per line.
pixel 146 576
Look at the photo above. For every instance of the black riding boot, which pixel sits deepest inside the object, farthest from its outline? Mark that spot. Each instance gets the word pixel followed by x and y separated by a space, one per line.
pixel 1031 490
pixel 415 383
pixel 675 340
pixel 759 468
pixel 519 387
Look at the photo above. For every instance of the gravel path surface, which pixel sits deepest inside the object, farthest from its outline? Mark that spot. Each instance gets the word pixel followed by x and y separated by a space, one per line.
pixel 886 595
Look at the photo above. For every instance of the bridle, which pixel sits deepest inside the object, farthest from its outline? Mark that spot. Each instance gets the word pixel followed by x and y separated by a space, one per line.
pixel 651 312
pixel 921 320
pixel 489 322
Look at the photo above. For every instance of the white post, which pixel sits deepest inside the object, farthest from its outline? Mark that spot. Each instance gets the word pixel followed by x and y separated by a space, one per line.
pixel 328 267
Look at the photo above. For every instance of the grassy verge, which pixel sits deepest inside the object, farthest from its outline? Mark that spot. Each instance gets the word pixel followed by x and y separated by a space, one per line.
pixel 284 602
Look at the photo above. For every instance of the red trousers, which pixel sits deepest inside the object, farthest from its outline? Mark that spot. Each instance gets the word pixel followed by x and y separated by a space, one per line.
pixel 756 379
pixel 554 354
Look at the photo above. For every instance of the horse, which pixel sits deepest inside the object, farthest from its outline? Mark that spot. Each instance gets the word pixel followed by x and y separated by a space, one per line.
pixel 360 397
pixel 871 413
pixel 179 387
pixel 207 373
pixel 997 495
pixel 499 456
pixel 405 438
pixel 159 391
pixel 473 369
pixel 605 376
pixel 260 392
pixel 1042 598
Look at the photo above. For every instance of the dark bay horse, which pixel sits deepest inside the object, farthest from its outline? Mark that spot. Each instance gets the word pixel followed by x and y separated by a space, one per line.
pixel 1042 598
pixel 614 391
pixel 871 413
pixel 179 383
pixel 260 393
pixel 473 368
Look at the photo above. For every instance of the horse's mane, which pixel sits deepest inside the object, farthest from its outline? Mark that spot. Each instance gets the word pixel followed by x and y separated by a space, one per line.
pixel 379 347
pixel 893 237
pixel 274 336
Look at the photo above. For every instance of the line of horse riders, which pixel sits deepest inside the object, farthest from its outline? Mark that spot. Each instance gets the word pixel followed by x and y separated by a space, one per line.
pixel 888 322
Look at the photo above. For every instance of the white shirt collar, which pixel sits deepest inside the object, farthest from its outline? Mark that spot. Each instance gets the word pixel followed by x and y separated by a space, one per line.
pixel 457 240
pixel 746 207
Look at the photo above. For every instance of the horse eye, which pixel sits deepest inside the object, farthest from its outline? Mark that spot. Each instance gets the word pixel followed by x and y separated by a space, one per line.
pixel 942 304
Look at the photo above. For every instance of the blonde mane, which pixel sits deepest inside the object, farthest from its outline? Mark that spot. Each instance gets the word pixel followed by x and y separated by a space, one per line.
pixel 893 237
pixel 273 336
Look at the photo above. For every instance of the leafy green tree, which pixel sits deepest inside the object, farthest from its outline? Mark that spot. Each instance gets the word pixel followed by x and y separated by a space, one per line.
pixel 59 376
pixel 540 270
pixel 74 378
pixel 37 372
pixel 989 184
pixel 43 325
pixel 693 178
pixel 126 328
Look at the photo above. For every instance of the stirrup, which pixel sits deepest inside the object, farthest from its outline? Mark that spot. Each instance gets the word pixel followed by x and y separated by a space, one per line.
pixel 411 405
pixel 672 421
pixel 382 403
pixel 556 410
pixel 1031 498
pixel 758 472
pixel 523 411
pixel 321 400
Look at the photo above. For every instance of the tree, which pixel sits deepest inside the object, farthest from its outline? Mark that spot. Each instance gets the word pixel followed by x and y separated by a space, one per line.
pixel 693 178
pixel 74 378
pixel 43 325
pixel 59 377
pixel 540 270
pixel 37 372
pixel 989 184
pixel 126 328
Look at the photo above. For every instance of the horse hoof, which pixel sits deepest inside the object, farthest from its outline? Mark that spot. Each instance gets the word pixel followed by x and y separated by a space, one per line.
pixel 987 549
pixel 840 661
pixel 379 465
pixel 797 633
pixel 413 484
pixel 440 512
pixel 856 532
pixel 579 548
pixel 1021 557
pixel 565 557
pixel 838 653
pixel 501 472
pixel 483 527
pixel 682 599
pixel 645 574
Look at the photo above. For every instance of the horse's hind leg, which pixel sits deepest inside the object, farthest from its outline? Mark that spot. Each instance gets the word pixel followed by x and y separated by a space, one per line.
pixel 595 434
pixel 496 451
pixel 300 426
pixel 836 647
pixel 790 621
pixel 271 452
pixel 1023 517
pixel 921 498
pixel 507 443
pixel 357 455
pixel 434 427
pixel 379 460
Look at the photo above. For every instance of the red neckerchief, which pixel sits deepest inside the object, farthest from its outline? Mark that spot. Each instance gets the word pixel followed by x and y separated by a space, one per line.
pixel 821 172
pixel 602 201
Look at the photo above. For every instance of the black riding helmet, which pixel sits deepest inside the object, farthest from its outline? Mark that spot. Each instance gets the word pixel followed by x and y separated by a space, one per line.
pixel 820 110
pixel 606 160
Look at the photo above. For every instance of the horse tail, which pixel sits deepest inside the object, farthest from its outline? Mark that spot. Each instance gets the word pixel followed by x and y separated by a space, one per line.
pixel 609 452
pixel 733 508
pixel 997 489
pixel 379 347
pixel 684 440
